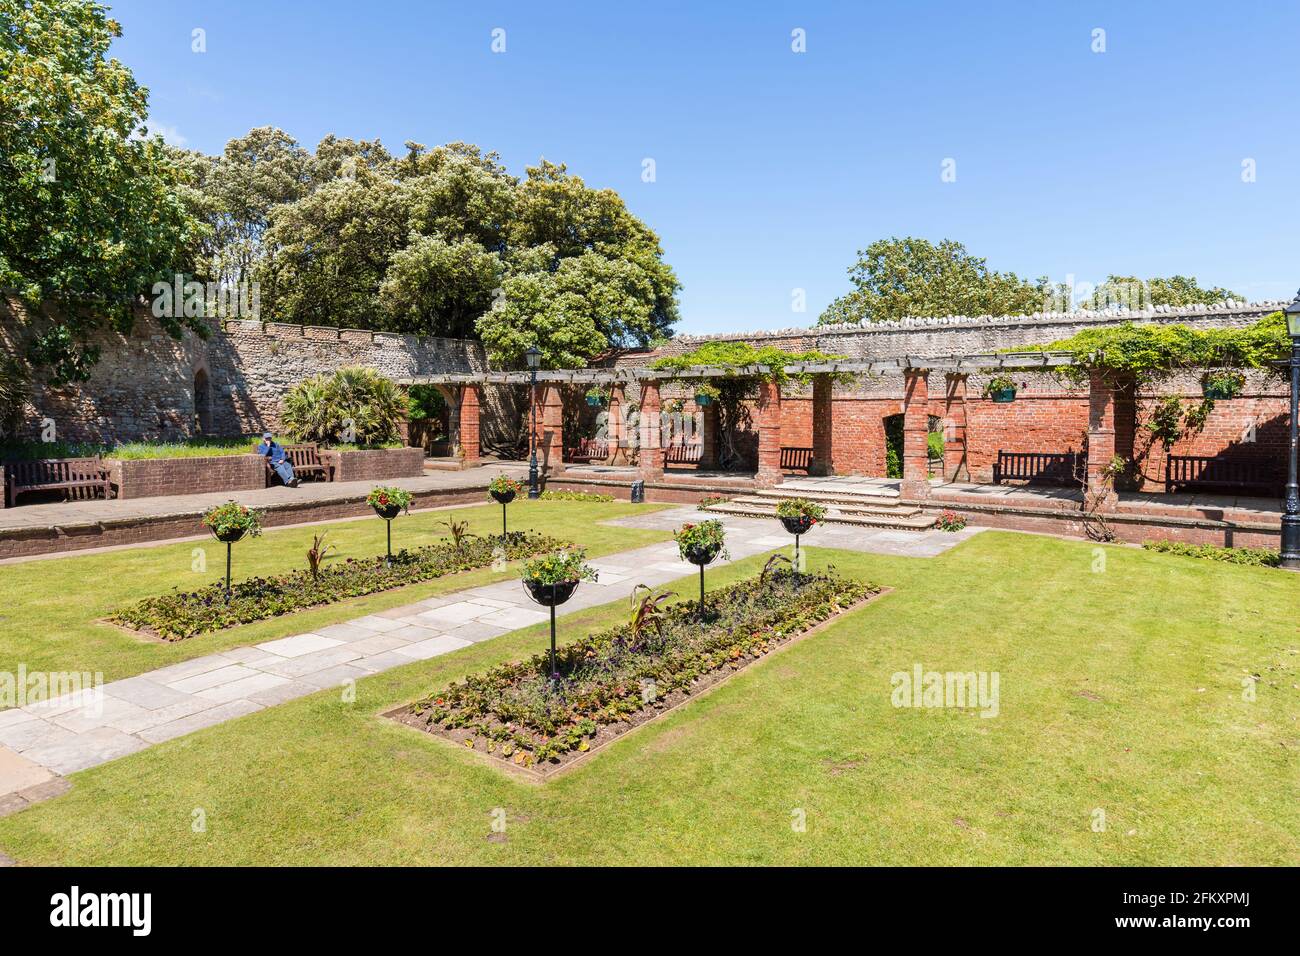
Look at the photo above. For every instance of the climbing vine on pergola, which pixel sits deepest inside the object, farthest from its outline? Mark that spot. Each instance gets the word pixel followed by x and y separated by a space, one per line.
pixel 738 367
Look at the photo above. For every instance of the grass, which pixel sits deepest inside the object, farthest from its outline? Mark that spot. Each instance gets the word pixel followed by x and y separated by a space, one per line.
pixel 1121 690
pixel 50 616
pixel 135 450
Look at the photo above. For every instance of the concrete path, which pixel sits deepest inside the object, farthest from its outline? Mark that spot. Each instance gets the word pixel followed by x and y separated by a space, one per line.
pixel 41 741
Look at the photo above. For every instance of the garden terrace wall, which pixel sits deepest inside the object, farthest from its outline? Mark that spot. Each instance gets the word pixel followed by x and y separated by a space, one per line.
pixel 378 464
pixel 153 477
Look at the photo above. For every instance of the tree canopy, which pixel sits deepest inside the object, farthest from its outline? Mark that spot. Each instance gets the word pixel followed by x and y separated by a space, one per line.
pixel 441 241
pixel 901 277
pixel 91 212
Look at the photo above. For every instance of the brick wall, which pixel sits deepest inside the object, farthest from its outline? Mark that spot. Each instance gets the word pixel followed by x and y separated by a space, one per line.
pixel 379 464
pixel 147 478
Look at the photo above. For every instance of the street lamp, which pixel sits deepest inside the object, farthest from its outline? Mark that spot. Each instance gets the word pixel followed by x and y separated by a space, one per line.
pixel 534 357
pixel 1291 515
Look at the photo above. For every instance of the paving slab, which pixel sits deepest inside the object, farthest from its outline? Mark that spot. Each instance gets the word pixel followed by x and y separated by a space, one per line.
pixel 18 772
pixel 298 645
pixel 433 647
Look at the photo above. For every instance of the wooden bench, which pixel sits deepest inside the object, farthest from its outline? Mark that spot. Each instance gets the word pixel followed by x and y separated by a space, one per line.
pixel 1206 473
pixel 589 449
pixel 77 478
pixel 796 459
pixel 306 461
pixel 684 454
pixel 1062 468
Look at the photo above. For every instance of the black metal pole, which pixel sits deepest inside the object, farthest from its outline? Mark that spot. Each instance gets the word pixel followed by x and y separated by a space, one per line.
pixel 701 592
pixel 503 522
pixel 555 671
pixel 796 553
pixel 533 490
pixel 1291 516
pixel 388 559
pixel 229 545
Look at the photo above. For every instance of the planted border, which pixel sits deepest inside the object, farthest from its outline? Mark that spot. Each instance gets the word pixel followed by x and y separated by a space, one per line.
pixel 184 614
pixel 616 680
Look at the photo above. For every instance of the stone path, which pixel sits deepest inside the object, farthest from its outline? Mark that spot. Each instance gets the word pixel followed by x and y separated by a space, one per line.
pixel 41 741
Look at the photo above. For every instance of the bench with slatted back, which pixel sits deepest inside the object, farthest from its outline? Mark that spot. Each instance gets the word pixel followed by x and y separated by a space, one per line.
pixel 306 461
pixel 1222 473
pixel 1060 468
pixel 796 459
pixel 77 478
pixel 689 454
pixel 589 449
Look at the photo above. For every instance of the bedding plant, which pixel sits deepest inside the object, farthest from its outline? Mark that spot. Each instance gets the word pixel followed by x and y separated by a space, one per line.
pixel 701 536
pixel 949 520
pixel 503 486
pixel 616 679
pixel 559 567
pixel 183 614
pixel 387 499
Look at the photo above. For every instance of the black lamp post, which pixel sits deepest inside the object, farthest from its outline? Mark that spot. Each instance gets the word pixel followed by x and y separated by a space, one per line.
pixel 534 357
pixel 1291 515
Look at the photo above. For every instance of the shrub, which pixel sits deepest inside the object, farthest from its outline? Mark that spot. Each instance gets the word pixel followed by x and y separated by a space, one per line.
pixel 709 500
pixel 516 711
pixel 559 567
pixel 1254 557
pixel 232 517
pixel 384 496
pixel 354 404
pixel 704 535
pixel 182 614
pixel 950 521
pixel 800 508
pixel 574 496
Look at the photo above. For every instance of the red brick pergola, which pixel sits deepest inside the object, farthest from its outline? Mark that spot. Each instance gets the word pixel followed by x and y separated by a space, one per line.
pixel 1110 420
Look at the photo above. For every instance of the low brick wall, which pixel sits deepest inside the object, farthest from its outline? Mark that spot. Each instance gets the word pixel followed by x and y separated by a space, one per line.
pixel 153 477
pixel 378 464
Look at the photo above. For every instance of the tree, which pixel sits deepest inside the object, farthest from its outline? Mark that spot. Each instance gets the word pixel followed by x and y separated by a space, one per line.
pixel 438 285
pixel 897 278
pixel 1132 293
pixel 90 212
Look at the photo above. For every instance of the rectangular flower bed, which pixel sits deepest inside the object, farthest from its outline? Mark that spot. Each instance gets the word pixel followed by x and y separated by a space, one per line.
pixel 616 680
pixel 182 614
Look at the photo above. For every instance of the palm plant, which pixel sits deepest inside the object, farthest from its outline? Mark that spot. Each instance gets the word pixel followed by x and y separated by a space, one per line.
pixel 317 553
pixel 309 413
pixel 459 531
pixel 647 611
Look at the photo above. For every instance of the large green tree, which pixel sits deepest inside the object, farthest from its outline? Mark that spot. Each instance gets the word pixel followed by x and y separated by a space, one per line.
pixel 896 278
pixel 91 214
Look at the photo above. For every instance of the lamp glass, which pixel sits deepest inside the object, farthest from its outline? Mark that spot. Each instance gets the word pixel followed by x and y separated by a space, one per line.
pixel 534 357
pixel 1293 320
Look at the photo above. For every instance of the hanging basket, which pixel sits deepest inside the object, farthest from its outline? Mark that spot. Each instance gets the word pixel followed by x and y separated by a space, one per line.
pixel 503 497
pixel 1003 396
pixel 701 556
pixel 388 512
pixel 230 536
pixel 596 401
pixel 702 400
pixel 550 595
pixel 799 525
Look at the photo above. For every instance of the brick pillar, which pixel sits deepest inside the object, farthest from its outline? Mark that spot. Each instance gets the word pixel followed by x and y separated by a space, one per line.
pixel 916 428
pixel 1101 439
pixel 709 424
pixel 451 397
pixel 614 421
pixel 768 420
pixel 550 447
pixel 823 404
pixel 651 452
pixel 469 418
pixel 955 466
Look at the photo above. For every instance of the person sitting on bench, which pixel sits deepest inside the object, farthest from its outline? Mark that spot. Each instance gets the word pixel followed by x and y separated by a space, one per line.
pixel 274 453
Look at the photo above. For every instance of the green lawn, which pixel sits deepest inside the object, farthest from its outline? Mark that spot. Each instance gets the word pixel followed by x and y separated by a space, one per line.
pixel 50 615
pixel 1121 690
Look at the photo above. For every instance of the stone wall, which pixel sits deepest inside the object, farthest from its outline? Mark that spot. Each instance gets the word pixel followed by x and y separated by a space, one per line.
pixel 148 385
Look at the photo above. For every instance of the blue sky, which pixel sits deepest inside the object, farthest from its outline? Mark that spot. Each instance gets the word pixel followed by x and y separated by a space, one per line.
pixel 774 167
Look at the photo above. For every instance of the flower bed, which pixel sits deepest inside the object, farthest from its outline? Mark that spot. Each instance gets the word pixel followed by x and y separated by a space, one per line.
pixel 618 679
pixel 183 614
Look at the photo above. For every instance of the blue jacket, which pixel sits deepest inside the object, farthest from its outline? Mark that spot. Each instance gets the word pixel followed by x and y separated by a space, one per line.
pixel 273 451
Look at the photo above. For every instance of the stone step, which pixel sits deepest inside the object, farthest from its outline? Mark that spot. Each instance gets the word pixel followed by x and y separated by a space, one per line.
pixel 895 522
pixel 837 505
pixel 793 489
